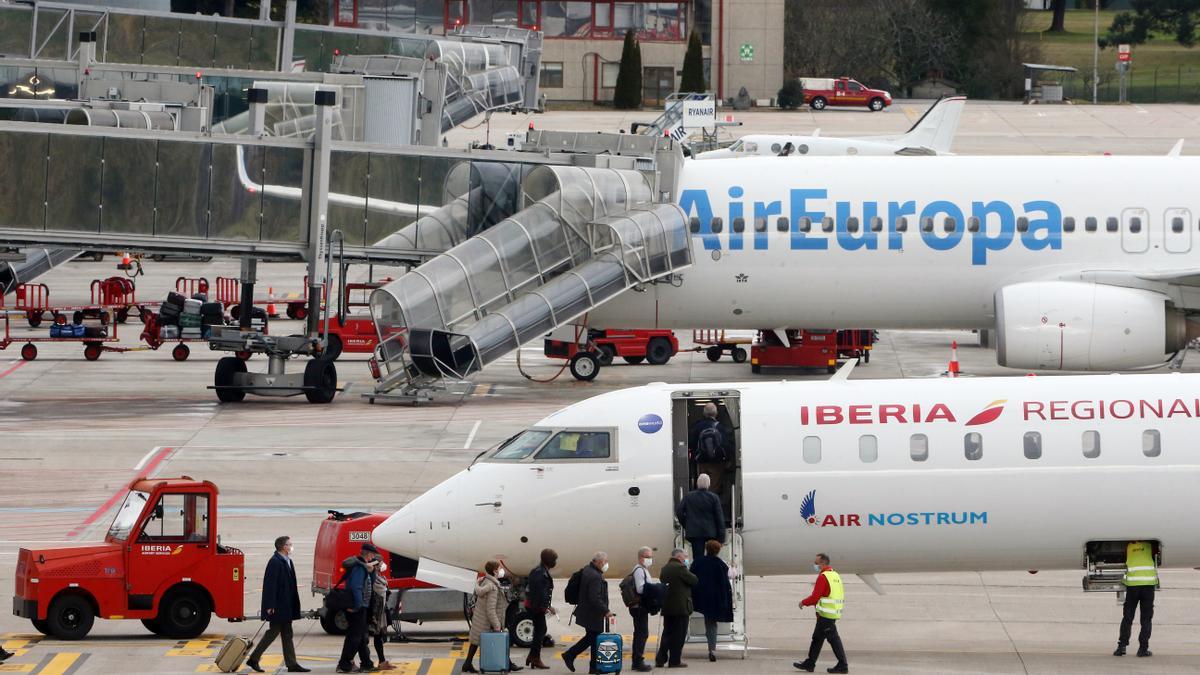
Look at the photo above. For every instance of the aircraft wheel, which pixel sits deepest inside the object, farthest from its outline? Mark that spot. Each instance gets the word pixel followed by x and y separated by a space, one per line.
pixel 225 375
pixel 818 103
pixel 606 355
pixel 713 354
pixel 739 355
pixel 520 629
pixel 320 381
pixel 585 366
pixel 658 352
pixel 876 104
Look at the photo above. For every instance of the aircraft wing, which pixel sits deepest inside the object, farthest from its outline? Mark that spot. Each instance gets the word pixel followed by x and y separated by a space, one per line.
pixel 1180 277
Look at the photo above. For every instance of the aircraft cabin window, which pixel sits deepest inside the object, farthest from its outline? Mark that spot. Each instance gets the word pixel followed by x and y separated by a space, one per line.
pixel 918 447
pixel 868 449
pixel 576 445
pixel 1151 443
pixel 1111 224
pixel 760 224
pixel 1089 224
pixel 902 224
pixel 827 223
pixel 852 224
pixel 1177 224
pixel 775 148
pixel 877 224
pixel 1091 444
pixel 739 224
pixel 973 446
pixel 522 445
pixel 1033 445
pixel 781 224
pixel 812 449
pixel 972 224
pixel 803 149
pixel 694 224
pixel 950 224
pixel 1022 224
pixel 1135 224
pixel 717 225
pixel 927 224
pixel 736 147
pixel 1069 224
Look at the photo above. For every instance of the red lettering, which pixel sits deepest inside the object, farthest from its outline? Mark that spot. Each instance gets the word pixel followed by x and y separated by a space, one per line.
pixel 1058 410
pixel 860 414
pixel 829 521
pixel 803 414
pixel 1127 405
pixel 1145 406
pixel 891 411
pixel 1034 408
pixel 852 520
pixel 940 412
pixel 916 413
pixel 1082 410
pixel 829 414
pixel 1178 407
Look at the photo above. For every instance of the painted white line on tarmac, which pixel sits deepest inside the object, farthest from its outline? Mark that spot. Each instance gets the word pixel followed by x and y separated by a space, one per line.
pixel 471 436
pixel 147 457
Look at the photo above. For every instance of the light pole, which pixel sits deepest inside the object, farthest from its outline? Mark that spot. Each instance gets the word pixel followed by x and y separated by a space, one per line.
pixel 1095 52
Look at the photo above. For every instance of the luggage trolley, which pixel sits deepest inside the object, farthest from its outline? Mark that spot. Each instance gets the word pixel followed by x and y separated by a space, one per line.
pixel 715 342
pixel 93 346
pixel 229 293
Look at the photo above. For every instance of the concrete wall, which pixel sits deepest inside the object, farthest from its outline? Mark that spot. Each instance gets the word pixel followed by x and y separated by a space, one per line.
pixel 758 23
pixel 580 59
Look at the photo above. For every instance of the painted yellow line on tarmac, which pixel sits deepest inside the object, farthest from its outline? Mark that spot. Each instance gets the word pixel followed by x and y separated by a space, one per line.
pixel 62 663
pixel 16 667
pixel 441 666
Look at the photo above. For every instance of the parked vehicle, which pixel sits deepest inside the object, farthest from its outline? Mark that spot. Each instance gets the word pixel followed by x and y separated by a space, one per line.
pixel 820 92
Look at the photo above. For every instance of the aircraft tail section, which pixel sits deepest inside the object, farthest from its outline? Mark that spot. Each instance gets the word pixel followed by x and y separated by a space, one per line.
pixel 936 128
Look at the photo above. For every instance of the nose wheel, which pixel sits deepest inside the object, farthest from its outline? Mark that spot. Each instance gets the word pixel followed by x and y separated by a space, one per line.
pixel 585 366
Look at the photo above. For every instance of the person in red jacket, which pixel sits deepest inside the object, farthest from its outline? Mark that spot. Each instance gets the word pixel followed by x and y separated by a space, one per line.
pixel 827 598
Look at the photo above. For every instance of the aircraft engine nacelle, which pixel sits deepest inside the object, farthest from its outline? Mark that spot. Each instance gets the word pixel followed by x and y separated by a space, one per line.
pixel 1071 325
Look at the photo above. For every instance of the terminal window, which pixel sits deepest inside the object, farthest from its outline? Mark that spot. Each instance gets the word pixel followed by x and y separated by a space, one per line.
pixel 552 75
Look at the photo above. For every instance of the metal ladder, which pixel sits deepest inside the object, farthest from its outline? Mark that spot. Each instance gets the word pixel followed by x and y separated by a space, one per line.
pixel 732 634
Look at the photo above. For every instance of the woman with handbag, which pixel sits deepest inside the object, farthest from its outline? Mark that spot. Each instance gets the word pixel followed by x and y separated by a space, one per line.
pixel 488 614
pixel 377 619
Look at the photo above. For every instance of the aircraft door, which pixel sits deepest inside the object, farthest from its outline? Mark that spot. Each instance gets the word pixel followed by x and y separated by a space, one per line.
pixel 1135 230
pixel 687 417
pixel 1177 231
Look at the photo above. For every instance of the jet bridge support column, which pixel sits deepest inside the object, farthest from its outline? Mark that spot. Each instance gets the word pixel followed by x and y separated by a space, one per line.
pixel 246 302
pixel 318 206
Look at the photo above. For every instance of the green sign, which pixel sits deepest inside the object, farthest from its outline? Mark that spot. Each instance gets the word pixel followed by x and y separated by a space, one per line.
pixel 746 51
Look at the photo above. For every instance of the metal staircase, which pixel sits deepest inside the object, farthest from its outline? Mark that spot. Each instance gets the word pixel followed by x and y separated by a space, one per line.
pixel 584 236
pixel 672 115
pixel 734 633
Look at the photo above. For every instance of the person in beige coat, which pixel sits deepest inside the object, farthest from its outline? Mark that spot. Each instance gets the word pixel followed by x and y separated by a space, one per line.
pixel 488 613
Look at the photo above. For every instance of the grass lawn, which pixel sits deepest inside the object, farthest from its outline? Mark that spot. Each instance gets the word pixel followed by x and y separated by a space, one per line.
pixel 1178 67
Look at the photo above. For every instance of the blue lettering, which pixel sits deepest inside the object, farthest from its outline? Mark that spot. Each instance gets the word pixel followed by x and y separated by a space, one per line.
pixel 765 211
pixel 865 237
pixel 931 238
pixel 981 243
pixel 800 240
pixel 979 517
pixel 895 518
pixel 896 211
pixel 1051 225
pixel 735 212
pixel 874 519
pixel 954 518
pixel 695 204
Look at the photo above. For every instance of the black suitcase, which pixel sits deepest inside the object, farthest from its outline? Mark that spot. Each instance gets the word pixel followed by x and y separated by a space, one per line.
pixel 175 299
pixel 95 332
pixel 202 297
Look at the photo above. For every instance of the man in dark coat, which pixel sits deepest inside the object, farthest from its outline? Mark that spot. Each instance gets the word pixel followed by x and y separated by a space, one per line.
pixel 541 592
pixel 700 514
pixel 280 607
pixel 592 611
pixel 677 608
pixel 360 578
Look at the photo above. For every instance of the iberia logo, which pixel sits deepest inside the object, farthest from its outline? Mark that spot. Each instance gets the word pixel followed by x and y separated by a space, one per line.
pixel 178 549
pixel 989 414
pixel 808 511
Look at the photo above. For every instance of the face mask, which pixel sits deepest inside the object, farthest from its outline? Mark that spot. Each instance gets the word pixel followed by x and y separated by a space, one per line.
pixel 687 562
pixel 604 568
pixel 816 567
pixel 500 573
pixel 648 562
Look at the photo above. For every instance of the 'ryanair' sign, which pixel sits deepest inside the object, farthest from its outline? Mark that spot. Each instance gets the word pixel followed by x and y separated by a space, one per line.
pixel 994 225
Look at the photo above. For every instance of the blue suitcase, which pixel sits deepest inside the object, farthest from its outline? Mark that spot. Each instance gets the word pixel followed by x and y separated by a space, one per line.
pixel 493 652
pixel 609 648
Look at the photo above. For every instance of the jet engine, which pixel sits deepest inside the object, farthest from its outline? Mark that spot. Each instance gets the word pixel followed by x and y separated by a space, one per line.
pixel 1072 325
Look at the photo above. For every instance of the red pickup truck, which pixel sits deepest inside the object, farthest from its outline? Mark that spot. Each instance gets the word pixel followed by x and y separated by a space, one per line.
pixel 820 92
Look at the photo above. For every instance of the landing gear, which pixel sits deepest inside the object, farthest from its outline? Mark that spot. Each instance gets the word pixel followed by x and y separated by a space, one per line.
pixel 585 366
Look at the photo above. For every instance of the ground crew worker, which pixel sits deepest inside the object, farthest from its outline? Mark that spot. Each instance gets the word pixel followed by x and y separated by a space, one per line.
pixel 827 597
pixel 1141 578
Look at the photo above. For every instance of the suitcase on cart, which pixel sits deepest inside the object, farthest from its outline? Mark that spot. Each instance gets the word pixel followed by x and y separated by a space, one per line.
pixel 493 652
pixel 609 653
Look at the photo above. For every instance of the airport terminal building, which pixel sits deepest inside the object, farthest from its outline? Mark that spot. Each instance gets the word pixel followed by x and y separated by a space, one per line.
pixel 743 39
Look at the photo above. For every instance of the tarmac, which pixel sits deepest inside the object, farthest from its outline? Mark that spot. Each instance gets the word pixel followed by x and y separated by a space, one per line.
pixel 73 433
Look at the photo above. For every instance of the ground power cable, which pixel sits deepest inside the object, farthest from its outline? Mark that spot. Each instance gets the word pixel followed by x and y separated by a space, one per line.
pixel 579 330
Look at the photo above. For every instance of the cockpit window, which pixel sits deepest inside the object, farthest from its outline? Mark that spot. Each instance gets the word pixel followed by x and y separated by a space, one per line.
pixel 750 146
pixel 577 445
pixel 736 147
pixel 127 517
pixel 522 445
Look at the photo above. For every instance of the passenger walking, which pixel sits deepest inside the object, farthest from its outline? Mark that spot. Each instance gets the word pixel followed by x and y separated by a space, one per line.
pixel 827 597
pixel 640 613
pixel 677 609
pixel 538 602
pixel 711 444
pixel 379 619
pixel 712 595
pixel 1141 578
pixel 280 607
pixel 592 611
pixel 360 581
pixel 488 614
pixel 701 516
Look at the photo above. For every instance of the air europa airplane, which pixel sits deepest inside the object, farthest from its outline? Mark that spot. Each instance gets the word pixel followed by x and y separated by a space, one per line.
pixel 886 476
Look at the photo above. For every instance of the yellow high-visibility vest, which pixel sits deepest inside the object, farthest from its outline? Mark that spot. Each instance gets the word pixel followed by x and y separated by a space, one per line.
pixel 1139 564
pixel 830 606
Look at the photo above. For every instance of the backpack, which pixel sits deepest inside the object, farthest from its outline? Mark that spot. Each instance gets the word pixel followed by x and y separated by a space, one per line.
pixel 629 594
pixel 571 594
pixel 710 445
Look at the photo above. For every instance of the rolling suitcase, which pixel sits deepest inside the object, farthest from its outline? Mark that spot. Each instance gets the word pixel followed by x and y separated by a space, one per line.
pixel 609 653
pixel 234 652
pixel 493 652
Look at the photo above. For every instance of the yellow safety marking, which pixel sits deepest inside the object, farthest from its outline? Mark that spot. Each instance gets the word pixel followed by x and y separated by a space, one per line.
pixel 460 651
pixel 441 666
pixel 60 663
pixel 16 667
pixel 15 641
pixel 483 389
pixel 269 662
pixel 205 645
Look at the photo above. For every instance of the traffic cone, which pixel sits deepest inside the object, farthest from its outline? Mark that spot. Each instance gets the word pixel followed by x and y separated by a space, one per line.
pixel 271 311
pixel 125 263
pixel 953 371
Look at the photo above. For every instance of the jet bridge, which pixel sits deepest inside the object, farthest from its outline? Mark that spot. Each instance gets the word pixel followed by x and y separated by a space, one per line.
pixel 584 236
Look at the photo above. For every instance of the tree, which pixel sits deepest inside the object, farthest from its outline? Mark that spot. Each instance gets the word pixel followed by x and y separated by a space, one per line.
pixel 1178 18
pixel 921 42
pixel 1058 23
pixel 692 80
pixel 791 94
pixel 628 93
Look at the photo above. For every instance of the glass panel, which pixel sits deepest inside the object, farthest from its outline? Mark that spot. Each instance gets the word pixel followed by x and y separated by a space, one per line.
pixel 86 21
pixel 16 24
pixel 166 522
pixel 430 17
pixel 569 297
pixel 480 11
pixel 484 269
pixel 453 293
pixel 160 46
pixel 236 209
pixel 127 517
pixel 435 191
pixel 263 47
pixel 23 180
pixel 73 183
pixel 197 519
pixel 516 251
pixel 392 194
pixel 335 45
pixel 504 12
pixel 1151 443
pixel 348 176
pixel 183 178
pixel 918 447
pixel 49 29
pixel 868 449
pixel 233 44
pixel 811 449
pixel 197 41
pixel 128 192
pixel 1091 444
pixel 373 44
pixel 282 217
pixel 1033 445
pixel 531 316
pixel 401 15
pixel 973 446
pixel 576 445
pixel 522 445
pixel 124 42
pixel 307 47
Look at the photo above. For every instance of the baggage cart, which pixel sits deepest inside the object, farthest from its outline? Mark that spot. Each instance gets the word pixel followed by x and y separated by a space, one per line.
pixel 93 346
pixel 716 342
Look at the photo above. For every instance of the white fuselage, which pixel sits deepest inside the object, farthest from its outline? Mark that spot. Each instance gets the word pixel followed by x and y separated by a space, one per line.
pixel 852 276
pixel 770 145
pixel 1007 508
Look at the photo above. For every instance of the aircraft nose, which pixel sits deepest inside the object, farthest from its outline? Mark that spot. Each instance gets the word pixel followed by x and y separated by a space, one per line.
pixel 398 533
